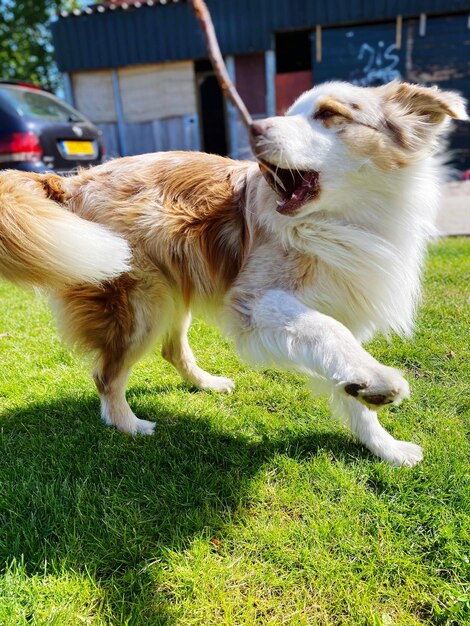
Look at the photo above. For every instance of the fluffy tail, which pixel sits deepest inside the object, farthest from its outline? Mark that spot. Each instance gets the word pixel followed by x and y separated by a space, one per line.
pixel 42 244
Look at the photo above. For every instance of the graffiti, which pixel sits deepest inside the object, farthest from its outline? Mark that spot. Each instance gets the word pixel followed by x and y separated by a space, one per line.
pixel 380 64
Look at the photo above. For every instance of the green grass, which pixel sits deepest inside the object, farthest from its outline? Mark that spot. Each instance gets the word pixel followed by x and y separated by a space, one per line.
pixel 253 508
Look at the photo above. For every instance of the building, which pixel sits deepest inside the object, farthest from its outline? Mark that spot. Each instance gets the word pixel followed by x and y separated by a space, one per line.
pixel 139 69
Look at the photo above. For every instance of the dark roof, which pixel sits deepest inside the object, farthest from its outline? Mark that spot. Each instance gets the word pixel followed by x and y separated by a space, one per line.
pixel 112 5
pixel 120 33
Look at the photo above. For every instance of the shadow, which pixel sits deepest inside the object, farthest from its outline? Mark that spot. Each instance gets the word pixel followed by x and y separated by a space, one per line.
pixel 86 498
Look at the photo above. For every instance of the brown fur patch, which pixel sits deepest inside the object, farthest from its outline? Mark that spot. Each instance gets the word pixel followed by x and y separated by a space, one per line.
pixel 52 185
pixel 100 319
pixel 422 101
pixel 332 112
pixel 365 141
pixel 204 214
pixel 428 102
pixel 184 212
pixel 397 134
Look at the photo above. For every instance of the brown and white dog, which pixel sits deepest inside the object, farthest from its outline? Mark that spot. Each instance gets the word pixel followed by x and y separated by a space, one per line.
pixel 303 255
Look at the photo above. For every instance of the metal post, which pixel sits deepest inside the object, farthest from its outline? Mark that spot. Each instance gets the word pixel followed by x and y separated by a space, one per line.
pixel 270 72
pixel 191 133
pixel 232 115
pixel 422 24
pixel 121 126
pixel 68 88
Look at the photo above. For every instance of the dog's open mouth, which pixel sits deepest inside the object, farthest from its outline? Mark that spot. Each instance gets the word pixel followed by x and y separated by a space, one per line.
pixel 294 187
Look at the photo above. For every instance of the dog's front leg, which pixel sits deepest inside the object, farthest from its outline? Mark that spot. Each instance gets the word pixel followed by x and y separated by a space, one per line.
pixel 367 428
pixel 279 330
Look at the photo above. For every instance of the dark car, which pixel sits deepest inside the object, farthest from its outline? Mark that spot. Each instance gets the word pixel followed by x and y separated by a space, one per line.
pixel 39 132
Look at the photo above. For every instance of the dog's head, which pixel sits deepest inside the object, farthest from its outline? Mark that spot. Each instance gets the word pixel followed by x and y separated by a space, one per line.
pixel 338 128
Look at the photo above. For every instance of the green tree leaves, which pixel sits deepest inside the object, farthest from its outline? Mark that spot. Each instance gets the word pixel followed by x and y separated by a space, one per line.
pixel 26 51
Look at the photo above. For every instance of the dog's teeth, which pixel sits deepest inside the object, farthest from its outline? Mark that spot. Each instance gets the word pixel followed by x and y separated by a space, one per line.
pixel 279 182
pixel 279 202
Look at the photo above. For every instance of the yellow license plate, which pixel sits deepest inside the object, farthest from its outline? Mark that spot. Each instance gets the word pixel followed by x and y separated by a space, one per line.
pixel 78 148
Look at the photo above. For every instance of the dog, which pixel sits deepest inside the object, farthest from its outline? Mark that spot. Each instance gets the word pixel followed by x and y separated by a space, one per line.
pixel 41 244
pixel 302 255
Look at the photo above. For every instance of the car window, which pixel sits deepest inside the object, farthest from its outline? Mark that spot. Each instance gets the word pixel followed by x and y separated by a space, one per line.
pixel 33 104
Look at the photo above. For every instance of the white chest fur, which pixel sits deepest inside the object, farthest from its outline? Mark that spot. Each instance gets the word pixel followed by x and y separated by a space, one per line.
pixel 370 254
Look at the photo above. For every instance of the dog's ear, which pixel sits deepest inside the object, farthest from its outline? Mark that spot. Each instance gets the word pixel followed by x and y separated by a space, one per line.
pixel 429 103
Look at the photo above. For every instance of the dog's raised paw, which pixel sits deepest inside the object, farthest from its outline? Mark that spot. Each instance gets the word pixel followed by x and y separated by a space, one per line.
pixel 389 387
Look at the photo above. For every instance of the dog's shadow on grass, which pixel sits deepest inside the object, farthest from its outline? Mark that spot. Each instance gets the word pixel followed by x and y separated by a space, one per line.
pixel 84 497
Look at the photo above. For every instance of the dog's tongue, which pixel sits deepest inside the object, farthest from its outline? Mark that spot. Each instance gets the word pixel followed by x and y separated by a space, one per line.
pixel 294 187
pixel 307 190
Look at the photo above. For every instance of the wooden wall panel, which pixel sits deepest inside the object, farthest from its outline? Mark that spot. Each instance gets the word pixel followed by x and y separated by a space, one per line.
pixel 289 86
pixel 250 76
pixel 94 96
pixel 158 91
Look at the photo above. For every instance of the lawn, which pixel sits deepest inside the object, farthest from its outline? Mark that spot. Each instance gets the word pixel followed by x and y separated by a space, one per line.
pixel 252 508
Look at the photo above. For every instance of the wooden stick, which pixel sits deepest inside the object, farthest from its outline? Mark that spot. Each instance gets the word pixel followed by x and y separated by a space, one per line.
pixel 203 16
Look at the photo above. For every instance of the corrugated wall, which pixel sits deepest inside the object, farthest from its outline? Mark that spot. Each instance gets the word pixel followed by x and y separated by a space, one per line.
pixel 169 32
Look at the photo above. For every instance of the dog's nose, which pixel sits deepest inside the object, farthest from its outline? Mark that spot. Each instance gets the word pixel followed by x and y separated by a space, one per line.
pixel 258 129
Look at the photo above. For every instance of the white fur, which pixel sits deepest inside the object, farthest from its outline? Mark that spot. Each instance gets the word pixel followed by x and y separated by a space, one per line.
pixel 367 232
pixel 88 252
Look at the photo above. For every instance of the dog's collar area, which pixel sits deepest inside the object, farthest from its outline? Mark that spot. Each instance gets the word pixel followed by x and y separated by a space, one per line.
pixel 294 187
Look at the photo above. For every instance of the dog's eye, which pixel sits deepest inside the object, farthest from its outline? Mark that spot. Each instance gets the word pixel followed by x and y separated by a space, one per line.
pixel 324 114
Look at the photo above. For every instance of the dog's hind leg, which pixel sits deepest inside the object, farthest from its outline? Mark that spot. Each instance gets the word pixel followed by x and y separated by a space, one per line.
pixel 111 379
pixel 177 351
pixel 118 356
pixel 117 323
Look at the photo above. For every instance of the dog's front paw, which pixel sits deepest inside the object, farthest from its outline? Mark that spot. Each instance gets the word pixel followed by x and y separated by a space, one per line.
pixel 143 427
pixel 381 387
pixel 215 383
pixel 402 453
